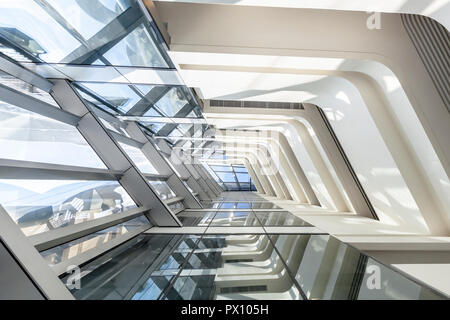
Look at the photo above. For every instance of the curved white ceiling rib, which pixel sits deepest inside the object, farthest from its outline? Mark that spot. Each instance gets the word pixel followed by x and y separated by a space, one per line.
pixel 399 104
pixel 353 90
pixel 436 9
pixel 280 33
pixel 308 152
pixel 366 150
pixel 307 156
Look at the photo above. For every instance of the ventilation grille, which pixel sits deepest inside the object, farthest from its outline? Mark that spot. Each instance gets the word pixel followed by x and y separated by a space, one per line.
pixel 238 260
pixel 255 104
pixel 432 42
pixel 243 289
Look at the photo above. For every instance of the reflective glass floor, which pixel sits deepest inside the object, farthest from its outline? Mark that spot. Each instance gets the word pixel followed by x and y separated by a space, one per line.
pixel 215 266
pixel 207 267
pixel 239 205
pixel 237 218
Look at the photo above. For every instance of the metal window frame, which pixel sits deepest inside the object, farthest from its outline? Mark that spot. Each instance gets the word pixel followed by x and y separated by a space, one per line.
pixel 104 143
pixel 78 113
pixel 56 237
pixel 30 259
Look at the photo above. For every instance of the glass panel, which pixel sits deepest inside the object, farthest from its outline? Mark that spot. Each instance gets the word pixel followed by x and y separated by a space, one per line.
pixel 218 155
pixel 27 24
pixel 119 95
pixel 133 270
pixel 240 169
pixel 89 17
pixel 163 189
pixel 264 205
pixel 73 248
pixel 176 206
pixel 232 186
pixel 94 102
pixel 228 205
pixel 41 205
pixel 139 159
pixel 25 135
pixel 211 172
pixel 200 218
pixel 80 31
pixel 226 176
pixel 14 54
pixel 26 88
pixel 136 49
pixel 231 267
pixel 392 285
pixel 243 177
pixel 151 113
pixel 180 130
pixel 233 205
pixel 177 257
pixel 280 218
pixel 327 268
pixel 210 204
pixel 235 219
pixel 221 168
pixel 200 287
pixel 155 127
pixel 140 100
pixel 244 186
pixel 172 101
pixel 114 127
pixel 238 267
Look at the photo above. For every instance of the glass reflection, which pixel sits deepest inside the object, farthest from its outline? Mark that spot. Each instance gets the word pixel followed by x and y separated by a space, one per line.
pixel 235 219
pixel 235 267
pixel 326 268
pixel 264 205
pixel 89 17
pixel 162 189
pixel 105 32
pixel 38 34
pixel 26 88
pixel 139 159
pixel 73 248
pixel 393 287
pixel 201 218
pixel 231 177
pixel 177 206
pixel 195 287
pixel 173 101
pixel 208 204
pixel 235 205
pixel 41 205
pixel 136 49
pixel 280 218
pixel 174 267
pixel 121 96
pixel 25 135
pixel 136 260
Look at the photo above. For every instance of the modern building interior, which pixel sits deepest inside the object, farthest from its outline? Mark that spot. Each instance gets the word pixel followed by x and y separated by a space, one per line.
pixel 224 150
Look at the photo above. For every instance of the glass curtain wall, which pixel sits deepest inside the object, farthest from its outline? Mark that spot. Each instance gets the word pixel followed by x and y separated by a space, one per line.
pixel 67 200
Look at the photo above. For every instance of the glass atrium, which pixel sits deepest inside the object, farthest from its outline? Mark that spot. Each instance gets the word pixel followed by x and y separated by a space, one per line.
pixel 110 171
